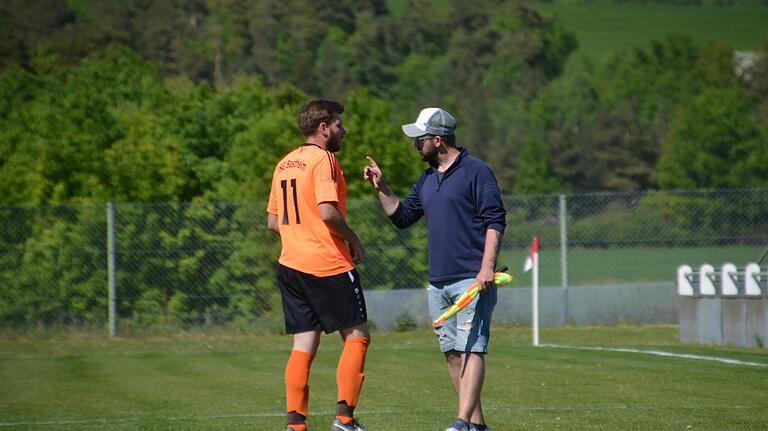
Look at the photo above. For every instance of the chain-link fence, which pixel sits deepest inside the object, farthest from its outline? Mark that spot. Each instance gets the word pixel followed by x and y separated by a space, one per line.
pixel 610 238
pixel 181 265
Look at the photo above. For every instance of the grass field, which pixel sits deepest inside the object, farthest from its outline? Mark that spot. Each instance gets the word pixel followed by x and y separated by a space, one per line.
pixel 216 382
pixel 603 29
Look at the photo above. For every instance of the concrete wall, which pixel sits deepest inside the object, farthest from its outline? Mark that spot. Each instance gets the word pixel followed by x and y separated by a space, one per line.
pixel 578 305
pixel 734 321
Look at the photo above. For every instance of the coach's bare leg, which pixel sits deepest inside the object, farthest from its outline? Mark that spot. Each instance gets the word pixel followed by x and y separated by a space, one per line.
pixel 453 358
pixel 467 371
pixel 471 385
pixel 307 341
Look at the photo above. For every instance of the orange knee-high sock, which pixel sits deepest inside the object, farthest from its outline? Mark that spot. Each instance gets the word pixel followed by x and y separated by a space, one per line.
pixel 297 384
pixel 350 375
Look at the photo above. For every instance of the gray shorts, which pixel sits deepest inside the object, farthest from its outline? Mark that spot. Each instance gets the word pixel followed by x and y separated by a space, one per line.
pixel 469 329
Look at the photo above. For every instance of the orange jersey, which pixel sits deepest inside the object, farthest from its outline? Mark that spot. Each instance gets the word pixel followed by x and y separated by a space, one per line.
pixel 304 178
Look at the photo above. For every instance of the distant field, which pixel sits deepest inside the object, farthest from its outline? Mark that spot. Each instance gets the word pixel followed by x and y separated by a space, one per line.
pixel 397 7
pixel 602 29
pixel 624 265
pixel 231 382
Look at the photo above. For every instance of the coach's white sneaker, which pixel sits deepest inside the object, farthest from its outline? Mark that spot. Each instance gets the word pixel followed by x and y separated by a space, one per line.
pixel 459 425
pixel 341 426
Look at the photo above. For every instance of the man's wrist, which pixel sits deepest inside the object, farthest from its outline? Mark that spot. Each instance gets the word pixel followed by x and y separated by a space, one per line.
pixel 384 188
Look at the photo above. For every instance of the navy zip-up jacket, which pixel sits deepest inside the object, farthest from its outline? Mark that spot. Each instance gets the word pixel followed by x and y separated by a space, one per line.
pixel 459 210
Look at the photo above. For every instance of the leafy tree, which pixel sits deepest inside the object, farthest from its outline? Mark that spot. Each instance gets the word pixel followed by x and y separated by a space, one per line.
pixel 423 29
pixel 623 158
pixel 22 170
pixel 146 164
pixel 655 79
pixel 334 65
pixel 227 37
pixel 59 276
pixel 757 83
pixel 498 58
pixel 26 25
pixel 714 142
pixel 562 117
pixel 645 87
pixel 535 172
pixel 248 166
pixel 605 126
pixel 170 35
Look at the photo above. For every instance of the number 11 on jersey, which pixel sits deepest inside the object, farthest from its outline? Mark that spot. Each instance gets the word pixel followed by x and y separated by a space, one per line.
pixel 284 186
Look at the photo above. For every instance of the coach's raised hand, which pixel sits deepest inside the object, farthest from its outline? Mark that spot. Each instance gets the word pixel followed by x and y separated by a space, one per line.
pixel 372 174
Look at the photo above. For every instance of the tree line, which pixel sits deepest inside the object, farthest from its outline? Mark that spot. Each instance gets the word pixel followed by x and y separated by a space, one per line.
pixel 161 100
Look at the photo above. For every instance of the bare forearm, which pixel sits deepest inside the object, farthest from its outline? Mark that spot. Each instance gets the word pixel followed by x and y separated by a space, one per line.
pixel 340 228
pixel 493 240
pixel 372 174
pixel 272 224
pixel 389 201
pixel 335 222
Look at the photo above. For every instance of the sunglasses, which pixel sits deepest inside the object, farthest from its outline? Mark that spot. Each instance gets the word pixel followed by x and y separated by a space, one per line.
pixel 422 139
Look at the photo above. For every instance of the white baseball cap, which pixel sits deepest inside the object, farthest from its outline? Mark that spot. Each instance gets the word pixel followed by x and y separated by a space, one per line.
pixel 431 121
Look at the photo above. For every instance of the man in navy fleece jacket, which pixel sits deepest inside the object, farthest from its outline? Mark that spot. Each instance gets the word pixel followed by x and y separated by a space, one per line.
pixel 459 196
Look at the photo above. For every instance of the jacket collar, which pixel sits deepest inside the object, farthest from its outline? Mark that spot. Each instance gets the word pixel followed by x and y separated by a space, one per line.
pixel 456 163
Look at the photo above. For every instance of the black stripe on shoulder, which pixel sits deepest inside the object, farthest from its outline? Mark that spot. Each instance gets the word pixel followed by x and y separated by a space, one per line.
pixel 332 161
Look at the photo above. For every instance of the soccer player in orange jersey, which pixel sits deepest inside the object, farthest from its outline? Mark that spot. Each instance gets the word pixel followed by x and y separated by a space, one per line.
pixel 318 282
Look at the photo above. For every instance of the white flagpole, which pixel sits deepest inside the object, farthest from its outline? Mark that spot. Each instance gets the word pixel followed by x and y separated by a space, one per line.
pixel 535 299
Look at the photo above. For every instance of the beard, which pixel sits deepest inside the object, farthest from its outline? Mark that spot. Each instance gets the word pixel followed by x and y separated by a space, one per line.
pixel 334 142
pixel 430 156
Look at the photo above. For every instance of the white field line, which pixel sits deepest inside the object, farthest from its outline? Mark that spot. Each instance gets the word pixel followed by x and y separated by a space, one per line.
pixel 662 353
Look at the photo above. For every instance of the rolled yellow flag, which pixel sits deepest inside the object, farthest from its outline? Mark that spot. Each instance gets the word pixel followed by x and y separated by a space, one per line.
pixel 500 278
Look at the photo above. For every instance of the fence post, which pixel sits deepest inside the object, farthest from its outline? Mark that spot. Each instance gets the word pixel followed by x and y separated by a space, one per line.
pixel 112 315
pixel 564 240
pixel 564 254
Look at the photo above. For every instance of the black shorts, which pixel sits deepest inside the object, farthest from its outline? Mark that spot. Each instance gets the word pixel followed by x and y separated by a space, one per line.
pixel 311 302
